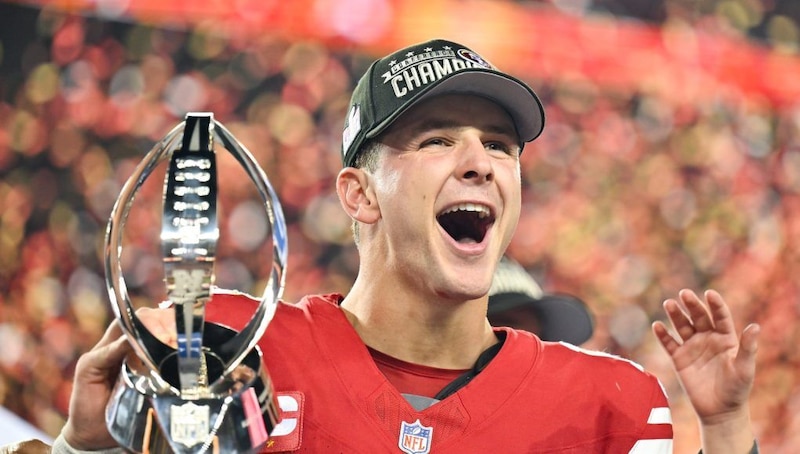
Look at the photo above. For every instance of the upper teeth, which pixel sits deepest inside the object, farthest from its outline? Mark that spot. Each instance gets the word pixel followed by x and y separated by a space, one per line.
pixel 483 211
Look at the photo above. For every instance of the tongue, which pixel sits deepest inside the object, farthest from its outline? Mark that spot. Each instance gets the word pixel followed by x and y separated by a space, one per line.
pixel 460 226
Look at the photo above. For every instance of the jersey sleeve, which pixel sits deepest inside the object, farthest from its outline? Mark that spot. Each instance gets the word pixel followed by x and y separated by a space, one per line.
pixel 636 417
pixel 656 434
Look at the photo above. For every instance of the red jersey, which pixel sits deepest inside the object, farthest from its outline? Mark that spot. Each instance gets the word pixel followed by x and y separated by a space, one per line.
pixel 533 397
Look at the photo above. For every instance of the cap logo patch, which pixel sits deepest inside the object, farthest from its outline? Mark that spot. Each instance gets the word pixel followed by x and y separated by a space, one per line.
pixel 420 69
pixel 352 128
pixel 467 54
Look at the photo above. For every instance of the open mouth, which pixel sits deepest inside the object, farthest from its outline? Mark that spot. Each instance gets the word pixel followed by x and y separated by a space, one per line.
pixel 466 222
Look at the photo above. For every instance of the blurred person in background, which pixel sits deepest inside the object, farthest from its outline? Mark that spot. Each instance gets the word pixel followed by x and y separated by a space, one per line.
pixel 517 300
pixel 431 179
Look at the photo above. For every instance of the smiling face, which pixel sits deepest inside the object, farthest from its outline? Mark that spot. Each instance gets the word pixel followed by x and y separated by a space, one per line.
pixel 447 186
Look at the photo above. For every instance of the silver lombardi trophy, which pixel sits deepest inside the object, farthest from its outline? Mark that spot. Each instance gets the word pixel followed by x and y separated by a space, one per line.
pixel 211 393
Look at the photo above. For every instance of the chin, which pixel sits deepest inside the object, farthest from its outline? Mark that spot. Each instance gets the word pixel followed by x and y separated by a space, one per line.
pixel 467 291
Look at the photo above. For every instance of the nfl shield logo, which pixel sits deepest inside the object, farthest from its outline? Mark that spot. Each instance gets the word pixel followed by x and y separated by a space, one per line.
pixel 189 423
pixel 415 438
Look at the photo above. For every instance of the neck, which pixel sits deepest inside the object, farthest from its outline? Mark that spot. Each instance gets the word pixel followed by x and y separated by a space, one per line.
pixel 419 328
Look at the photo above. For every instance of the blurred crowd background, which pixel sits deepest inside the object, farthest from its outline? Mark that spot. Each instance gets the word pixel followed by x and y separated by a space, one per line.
pixel 670 159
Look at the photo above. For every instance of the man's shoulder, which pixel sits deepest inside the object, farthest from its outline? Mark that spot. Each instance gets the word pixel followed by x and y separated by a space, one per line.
pixel 234 308
pixel 594 356
pixel 316 306
pixel 567 357
pixel 599 366
pixel 608 380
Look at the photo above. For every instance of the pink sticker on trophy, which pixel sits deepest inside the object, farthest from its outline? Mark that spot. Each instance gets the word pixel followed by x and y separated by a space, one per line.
pixel 254 418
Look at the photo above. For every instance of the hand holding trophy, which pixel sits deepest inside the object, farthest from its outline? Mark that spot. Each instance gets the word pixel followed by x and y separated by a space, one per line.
pixel 211 393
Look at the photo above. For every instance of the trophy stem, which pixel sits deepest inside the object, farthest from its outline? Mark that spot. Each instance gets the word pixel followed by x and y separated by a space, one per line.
pixel 189 236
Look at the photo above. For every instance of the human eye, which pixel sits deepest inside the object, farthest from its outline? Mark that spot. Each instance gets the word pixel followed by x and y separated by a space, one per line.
pixel 504 147
pixel 434 141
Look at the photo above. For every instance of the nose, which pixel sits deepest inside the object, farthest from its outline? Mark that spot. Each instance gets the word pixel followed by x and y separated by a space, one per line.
pixel 475 163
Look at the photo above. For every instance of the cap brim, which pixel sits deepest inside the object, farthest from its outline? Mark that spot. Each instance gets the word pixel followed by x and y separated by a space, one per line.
pixel 561 317
pixel 511 94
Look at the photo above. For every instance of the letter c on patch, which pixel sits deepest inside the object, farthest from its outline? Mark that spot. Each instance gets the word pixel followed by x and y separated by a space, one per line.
pixel 288 404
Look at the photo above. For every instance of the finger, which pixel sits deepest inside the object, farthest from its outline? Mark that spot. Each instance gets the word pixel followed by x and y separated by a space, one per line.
pixel 664 337
pixel 108 356
pixel 699 314
pixel 748 347
pixel 113 332
pixel 108 351
pixel 721 313
pixel 680 321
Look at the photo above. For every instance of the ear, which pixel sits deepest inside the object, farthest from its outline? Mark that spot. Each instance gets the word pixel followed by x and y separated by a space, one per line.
pixel 357 195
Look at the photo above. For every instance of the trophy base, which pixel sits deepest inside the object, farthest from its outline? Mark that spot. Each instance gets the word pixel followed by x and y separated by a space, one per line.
pixel 144 415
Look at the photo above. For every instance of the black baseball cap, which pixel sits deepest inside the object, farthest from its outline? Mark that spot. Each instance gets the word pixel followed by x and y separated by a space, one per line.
pixel 561 317
pixel 396 82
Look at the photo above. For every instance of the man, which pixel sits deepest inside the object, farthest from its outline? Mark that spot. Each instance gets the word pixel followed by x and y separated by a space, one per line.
pixel 516 300
pixel 407 361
